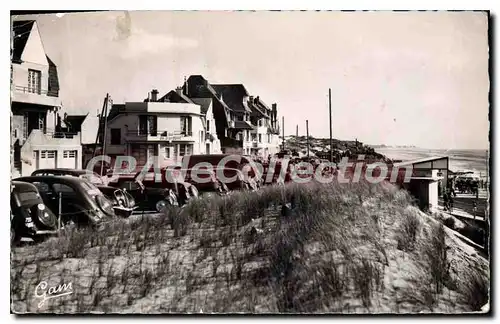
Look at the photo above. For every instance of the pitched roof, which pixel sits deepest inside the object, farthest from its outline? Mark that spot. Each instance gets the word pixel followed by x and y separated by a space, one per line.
pixel 232 95
pixel 22 30
pixel 199 87
pixel 204 104
pixel 174 96
pixel 53 87
pixel 115 110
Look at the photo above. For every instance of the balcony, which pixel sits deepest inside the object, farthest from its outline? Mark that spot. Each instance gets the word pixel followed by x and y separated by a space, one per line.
pixel 159 135
pixel 31 96
pixel 53 139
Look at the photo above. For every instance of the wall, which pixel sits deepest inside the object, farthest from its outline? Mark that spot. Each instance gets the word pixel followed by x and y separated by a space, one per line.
pixel 168 120
pixel 37 141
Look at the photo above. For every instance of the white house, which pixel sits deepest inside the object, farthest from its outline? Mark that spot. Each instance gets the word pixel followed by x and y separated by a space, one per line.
pixel 168 130
pixel 37 140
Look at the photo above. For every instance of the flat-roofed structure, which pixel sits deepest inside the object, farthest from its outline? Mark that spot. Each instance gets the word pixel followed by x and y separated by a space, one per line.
pixel 426 176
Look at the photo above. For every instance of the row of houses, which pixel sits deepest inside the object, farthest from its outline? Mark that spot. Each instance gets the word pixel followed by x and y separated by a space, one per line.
pixel 196 118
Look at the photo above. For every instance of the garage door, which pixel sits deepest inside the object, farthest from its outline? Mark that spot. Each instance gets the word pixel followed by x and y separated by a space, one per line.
pixel 47 159
pixel 69 159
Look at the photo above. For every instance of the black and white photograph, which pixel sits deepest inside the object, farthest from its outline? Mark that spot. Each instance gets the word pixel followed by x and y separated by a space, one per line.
pixel 250 162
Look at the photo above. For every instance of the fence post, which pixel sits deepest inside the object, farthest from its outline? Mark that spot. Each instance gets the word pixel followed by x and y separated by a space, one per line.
pixel 59 212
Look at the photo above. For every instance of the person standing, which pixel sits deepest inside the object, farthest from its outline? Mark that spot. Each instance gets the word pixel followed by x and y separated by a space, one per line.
pixel 450 202
pixel 474 208
pixel 445 200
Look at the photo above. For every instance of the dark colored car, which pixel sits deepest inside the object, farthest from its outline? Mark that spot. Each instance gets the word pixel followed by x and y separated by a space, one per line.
pixel 239 171
pixel 123 203
pixel 92 177
pixel 79 201
pixel 30 217
pixel 151 195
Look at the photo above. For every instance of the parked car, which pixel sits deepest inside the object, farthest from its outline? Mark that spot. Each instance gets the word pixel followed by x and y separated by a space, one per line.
pixel 123 202
pixel 79 201
pixel 91 176
pixel 29 216
pixel 152 195
pixel 244 172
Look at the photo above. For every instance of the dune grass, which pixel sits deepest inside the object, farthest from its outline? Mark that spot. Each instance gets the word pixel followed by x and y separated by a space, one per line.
pixel 343 248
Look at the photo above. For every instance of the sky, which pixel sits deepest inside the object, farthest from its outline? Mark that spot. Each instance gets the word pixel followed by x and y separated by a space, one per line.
pixel 396 78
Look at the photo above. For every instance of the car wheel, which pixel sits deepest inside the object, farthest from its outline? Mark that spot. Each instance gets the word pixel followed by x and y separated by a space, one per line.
pixel 161 206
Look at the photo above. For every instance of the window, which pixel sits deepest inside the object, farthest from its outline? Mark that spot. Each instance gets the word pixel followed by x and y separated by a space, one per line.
pixel 51 154
pixel 167 152
pixel 260 138
pixel 69 154
pixel 148 125
pixel 186 125
pixel 34 81
pixel 268 138
pixel 143 125
pixel 42 187
pixel 60 187
pixel 116 134
pixel 208 125
pixel 43 155
pixel 152 125
pixel 185 149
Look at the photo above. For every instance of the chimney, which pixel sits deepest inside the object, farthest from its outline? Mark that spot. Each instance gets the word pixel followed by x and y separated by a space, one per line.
pixel 178 90
pixel 154 95
pixel 250 99
pixel 186 87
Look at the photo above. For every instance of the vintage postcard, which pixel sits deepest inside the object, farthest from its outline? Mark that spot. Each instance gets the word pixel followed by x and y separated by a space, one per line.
pixel 250 162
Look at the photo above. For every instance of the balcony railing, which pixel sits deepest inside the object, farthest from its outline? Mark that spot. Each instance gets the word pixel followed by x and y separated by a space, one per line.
pixel 30 90
pixel 62 134
pixel 160 133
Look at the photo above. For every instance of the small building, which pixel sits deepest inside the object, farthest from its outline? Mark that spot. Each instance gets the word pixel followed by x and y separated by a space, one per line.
pixel 428 175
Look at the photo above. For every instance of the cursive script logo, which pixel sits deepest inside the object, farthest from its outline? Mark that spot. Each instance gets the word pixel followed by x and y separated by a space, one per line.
pixel 41 291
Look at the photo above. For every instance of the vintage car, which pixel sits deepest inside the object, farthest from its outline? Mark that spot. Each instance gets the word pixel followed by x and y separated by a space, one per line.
pixel 76 200
pixel 29 217
pixel 92 177
pixel 152 195
pixel 123 203
pixel 237 172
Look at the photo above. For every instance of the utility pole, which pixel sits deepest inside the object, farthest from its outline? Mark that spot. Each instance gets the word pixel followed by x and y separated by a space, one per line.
pixel 283 131
pixel 105 116
pixel 307 134
pixel 330 117
pixel 297 131
pixel 100 129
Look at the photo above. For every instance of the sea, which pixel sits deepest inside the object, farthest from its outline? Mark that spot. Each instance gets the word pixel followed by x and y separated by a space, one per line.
pixel 460 160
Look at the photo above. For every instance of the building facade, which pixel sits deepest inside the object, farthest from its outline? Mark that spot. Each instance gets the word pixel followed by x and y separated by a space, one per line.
pixel 168 129
pixel 36 135
pixel 244 124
